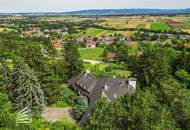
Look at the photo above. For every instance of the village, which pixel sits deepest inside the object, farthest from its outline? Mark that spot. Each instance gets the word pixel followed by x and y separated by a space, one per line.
pixel 94 72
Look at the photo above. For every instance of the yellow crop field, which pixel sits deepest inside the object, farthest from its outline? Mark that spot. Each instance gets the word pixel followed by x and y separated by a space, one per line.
pixel 5 29
pixel 128 22
pixel 186 30
pixel 115 22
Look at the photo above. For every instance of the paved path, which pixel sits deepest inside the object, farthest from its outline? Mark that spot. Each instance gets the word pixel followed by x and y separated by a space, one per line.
pixel 53 113
pixel 93 62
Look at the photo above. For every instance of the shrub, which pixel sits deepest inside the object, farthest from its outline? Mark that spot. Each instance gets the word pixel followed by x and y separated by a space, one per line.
pixel 80 107
pixel 3 99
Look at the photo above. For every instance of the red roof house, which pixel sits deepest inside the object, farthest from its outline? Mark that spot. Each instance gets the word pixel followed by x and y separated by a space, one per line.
pixel 91 44
pixel 130 36
pixel 58 44
pixel 111 55
pixel 132 43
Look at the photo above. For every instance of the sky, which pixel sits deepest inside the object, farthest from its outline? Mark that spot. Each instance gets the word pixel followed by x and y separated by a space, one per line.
pixel 8 6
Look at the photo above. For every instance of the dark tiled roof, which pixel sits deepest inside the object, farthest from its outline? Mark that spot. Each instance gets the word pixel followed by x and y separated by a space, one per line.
pixel 96 87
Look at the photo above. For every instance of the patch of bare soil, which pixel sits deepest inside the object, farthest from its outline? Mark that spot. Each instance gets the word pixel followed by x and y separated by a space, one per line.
pixel 53 113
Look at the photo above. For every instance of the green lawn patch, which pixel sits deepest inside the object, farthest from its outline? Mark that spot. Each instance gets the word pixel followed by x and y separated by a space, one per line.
pixel 160 26
pixel 91 53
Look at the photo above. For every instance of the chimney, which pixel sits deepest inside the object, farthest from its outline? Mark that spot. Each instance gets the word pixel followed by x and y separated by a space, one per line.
pixel 86 73
pixel 106 87
pixel 132 82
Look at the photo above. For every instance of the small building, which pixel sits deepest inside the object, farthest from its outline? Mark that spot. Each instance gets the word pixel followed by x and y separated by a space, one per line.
pixel 91 44
pixel 132 43
pixel 130 36
pixel 94 88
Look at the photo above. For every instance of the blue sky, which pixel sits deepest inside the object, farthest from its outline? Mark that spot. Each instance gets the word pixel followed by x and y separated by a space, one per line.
pixel 72 5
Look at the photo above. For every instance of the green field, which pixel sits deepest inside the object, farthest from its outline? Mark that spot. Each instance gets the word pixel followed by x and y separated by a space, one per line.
pixel 91 53
pixel 93 31
pixel 160 26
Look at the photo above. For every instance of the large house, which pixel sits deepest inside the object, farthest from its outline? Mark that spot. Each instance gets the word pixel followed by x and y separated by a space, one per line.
pixel 94 88
pixel 106 39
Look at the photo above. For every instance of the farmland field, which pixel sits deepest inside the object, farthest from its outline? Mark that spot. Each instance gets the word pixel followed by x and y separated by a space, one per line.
pixel 148 22
pixel 160 26
pixel 101 32
pixel 187 25
pixel 91 53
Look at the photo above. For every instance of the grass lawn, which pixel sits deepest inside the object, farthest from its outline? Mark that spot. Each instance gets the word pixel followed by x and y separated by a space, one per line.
pixel 122 73
pixel 91 53
pixel 88 66
pixel 160 26
pixel 115 70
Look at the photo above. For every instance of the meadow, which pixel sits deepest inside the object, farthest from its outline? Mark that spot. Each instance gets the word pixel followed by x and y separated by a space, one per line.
pixel 91 53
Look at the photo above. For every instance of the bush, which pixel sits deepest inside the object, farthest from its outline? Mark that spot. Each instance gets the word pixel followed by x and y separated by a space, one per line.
pixel 7 119
pixel 68 95
pixel 66 98
pixel 3 99
pixel 183 75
